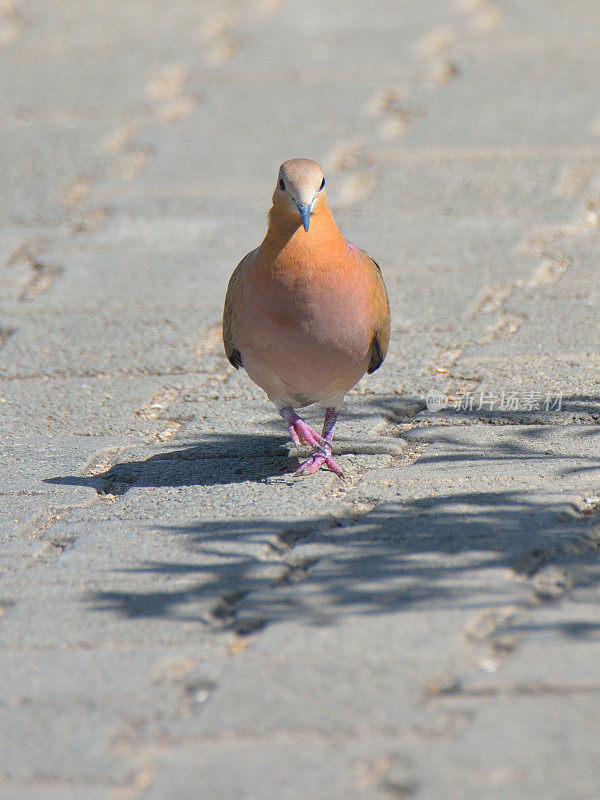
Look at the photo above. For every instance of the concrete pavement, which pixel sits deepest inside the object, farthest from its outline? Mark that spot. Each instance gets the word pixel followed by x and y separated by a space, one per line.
pixel 179 618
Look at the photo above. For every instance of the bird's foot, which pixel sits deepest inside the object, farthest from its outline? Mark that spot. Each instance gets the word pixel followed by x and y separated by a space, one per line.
pixel 301 433
pixel 316 461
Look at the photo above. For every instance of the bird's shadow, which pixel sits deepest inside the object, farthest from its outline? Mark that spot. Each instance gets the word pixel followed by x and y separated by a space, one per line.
pixel 217 460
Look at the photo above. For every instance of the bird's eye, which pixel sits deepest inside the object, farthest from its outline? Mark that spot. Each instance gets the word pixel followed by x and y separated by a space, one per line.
pixel 322 184
pixel 281 184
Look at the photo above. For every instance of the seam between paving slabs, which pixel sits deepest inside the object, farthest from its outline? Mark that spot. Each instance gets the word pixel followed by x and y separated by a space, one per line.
pixel 538 566
pixel 549 582
pixel 391 111
pixel 499 324
pixel 172 102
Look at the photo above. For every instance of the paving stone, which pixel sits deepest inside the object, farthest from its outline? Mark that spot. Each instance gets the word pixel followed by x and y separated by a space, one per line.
pixel 179 615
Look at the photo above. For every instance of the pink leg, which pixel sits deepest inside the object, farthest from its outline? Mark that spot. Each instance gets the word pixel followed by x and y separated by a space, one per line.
pixel 300 431
pixel 329 423
pixel 322 443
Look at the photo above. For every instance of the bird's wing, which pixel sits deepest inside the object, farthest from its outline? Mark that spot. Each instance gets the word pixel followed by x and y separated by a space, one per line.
pixel 233 354
pixel 381 315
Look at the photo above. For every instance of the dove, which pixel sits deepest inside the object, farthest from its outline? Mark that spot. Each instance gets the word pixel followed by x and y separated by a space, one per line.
pixel 306 313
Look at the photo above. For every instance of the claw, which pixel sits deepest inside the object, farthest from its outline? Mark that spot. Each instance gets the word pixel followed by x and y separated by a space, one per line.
pixel 312 464
pixel 315 462
pixel 333 466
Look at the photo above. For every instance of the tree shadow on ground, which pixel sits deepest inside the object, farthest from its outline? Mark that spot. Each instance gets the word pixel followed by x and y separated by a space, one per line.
pixel 449 547
pixel 468 550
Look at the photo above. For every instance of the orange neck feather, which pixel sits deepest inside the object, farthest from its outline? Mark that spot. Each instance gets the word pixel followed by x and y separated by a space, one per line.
pixel 287 242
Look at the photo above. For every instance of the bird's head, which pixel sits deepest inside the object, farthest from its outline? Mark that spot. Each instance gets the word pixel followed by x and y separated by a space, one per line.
pixel 300 189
